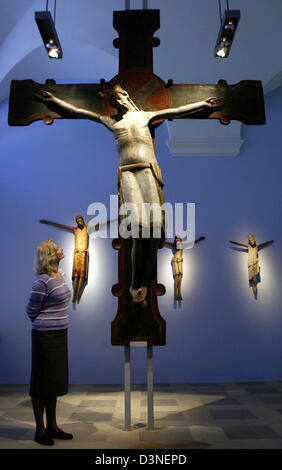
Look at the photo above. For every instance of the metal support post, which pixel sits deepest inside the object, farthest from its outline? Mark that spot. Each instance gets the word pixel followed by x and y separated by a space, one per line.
pixel 150 391
pixel 127 390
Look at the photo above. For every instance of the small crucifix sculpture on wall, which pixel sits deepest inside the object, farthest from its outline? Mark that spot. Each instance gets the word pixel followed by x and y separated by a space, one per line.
pixel 177 263
pixel 253 261
pixel 80 254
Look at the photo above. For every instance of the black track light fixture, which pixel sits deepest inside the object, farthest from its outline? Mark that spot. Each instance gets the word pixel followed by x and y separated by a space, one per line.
pixel 229 22
pixel 48 32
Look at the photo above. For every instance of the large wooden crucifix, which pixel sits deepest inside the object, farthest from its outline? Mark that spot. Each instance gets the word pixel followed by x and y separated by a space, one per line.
pixel 152 100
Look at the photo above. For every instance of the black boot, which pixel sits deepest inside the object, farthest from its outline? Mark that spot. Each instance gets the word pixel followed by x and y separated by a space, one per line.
pixel 40 434
pixel 52 429
pixel 43 439
pixel 58 434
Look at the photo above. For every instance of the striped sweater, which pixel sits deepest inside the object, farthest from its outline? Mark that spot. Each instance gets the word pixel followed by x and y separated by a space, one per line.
pixel 48 303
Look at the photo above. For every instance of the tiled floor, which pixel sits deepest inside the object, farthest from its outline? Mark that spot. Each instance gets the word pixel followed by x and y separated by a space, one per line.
pixel 187 416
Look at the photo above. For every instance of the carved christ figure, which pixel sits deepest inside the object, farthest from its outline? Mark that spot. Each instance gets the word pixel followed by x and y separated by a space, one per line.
pixel 80 255
pixel 140 178
pixel 177 263
pixel 253 261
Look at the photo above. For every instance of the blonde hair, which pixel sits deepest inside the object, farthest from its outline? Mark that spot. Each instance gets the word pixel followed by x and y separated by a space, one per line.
pixel 45 258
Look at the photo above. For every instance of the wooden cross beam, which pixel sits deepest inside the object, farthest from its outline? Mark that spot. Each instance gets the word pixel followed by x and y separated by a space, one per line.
pixel 242 101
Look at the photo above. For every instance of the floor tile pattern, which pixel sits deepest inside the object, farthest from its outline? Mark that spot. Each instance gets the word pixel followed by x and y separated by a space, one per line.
pixel 186 415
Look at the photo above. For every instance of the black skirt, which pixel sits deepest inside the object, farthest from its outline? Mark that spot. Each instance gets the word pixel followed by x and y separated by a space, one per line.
pixel 49 371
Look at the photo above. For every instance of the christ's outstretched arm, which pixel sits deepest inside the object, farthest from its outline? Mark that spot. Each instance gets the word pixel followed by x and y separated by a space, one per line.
pixel 96 226
pixel 260 245
pixel 169 243
pixel 47 96
pixel 199 239
pixel 183 244
pixel 66 227
pixel 239 244
pixel 171 113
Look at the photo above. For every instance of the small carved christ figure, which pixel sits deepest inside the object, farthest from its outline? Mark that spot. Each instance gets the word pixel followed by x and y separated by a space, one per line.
pixel 253 261
pixel 177 263
pixel 80 255
pixel 139 175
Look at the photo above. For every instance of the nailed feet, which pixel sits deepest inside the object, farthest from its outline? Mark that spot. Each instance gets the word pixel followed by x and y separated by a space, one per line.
pixel 139 295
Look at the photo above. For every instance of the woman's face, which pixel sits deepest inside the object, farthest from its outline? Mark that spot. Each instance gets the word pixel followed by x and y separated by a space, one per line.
pixel 60 253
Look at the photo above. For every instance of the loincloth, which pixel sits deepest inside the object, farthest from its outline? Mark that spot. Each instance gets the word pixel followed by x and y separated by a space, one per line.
pixel 177 266
pixel 141 194
pixel 176 260
pixel 80 263
pixel 253 270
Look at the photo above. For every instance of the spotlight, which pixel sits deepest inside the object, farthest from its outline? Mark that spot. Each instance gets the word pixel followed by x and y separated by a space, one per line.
pixel 52 49
pixel 49 35
pixel 222 51
pixel 228 27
